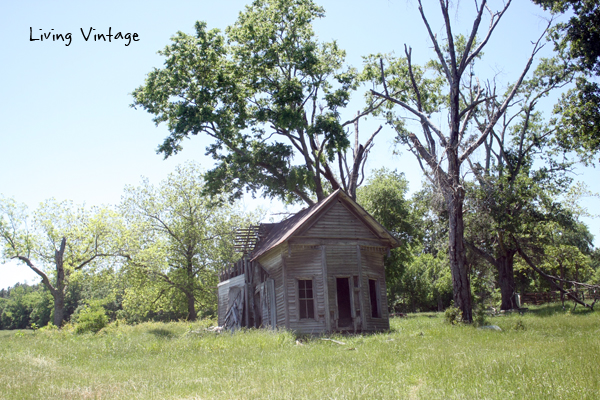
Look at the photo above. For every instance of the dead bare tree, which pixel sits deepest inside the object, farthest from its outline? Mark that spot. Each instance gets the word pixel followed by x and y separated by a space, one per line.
pixel 353 176
pixel 421 98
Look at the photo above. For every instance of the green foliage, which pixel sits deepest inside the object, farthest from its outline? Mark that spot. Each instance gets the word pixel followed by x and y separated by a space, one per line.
pixel 177 239
pixel 453 315
pixel 425 285
pixel 268 94
pixel 415 279
pixel 383 196
pixel 58 242
pixel 23 306
pixel 90 318
pixel 578 43
pixel 579 119
pixel 581 33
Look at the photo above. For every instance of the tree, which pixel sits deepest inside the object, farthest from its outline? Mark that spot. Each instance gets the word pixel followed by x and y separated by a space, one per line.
pixel 419 92
pixel 270 96
pixel 61 240
pixel 417 278
pixel 178 239
pixel 578 42
pixel 561 251
pixel 22 306
pixel 520 174
pixel 383 196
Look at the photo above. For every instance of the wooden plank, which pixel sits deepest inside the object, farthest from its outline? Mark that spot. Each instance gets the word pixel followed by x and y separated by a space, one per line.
pixel 338 219
pixel 352 303
pixel 285 294
pixel 246 299
pixel 273 312
pixel 325 289
pixel 333 239
pixel 360 286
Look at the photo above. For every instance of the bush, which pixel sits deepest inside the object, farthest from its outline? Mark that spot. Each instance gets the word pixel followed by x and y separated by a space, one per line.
pixel 453 315
pixel 91 319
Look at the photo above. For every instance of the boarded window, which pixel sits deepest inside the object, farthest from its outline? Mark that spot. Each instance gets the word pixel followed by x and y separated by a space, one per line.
pixel 306 299
pixel 375 309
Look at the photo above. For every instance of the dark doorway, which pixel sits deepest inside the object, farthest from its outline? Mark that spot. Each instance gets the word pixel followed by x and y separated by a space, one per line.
pixel 343 301
pixel 375 310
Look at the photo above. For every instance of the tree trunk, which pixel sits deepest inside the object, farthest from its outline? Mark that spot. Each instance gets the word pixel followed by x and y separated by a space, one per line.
pixel 59 308
pixel 506 280
pixel 189 290
pixel 192 315
pixel 456 253
pixel 59 292
pixel 562 286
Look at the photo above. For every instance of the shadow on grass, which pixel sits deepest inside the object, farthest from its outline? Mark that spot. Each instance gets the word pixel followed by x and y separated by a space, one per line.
pixel 162 333
pixel 550 309
pixel 428 314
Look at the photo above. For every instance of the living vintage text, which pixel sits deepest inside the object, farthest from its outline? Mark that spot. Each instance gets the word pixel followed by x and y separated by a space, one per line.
pixel 89 36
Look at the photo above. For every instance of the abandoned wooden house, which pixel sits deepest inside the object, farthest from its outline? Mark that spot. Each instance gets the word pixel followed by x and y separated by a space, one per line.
pixel 320 270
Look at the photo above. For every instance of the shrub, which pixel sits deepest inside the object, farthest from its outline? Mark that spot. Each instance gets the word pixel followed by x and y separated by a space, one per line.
pixel 49 327
pixel 91 319
pixel 453 315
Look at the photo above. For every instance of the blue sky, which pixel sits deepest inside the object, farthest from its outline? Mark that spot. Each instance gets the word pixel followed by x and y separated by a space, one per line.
pixel 67 130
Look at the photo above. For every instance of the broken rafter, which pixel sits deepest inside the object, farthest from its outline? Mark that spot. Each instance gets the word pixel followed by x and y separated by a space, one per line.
pixel 246 239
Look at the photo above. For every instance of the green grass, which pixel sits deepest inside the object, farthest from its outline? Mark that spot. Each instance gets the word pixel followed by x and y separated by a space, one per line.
pixel 557 355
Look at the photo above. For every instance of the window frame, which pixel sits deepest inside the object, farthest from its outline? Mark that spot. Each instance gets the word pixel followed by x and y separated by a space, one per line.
pixel 300 299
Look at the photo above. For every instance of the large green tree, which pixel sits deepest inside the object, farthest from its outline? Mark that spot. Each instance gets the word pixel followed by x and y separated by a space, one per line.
pixel 521 173
pixel 270 97
pixel 578 42
pixel 446 89
pixel 177 239
pixel 57 242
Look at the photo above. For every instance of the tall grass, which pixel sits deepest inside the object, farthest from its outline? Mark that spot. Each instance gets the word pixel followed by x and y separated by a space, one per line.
pixel 544 354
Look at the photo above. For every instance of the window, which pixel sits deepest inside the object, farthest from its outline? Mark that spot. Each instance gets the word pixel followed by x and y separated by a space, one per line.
pixel 375 309
pixel 305 298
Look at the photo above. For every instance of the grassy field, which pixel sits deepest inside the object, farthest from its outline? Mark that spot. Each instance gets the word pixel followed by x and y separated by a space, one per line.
pixel 544 354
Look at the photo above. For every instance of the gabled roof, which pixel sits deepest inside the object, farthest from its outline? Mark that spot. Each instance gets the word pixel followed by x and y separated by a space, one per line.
pixel 285 229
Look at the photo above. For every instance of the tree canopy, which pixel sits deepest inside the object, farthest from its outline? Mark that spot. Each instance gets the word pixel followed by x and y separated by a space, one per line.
pixel 177 240
pixel 269 95
pixel 578 42
pixel 59 241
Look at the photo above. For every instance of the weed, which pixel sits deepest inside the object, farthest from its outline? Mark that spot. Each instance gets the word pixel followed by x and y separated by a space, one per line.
pixel 453 315
pixel 519 325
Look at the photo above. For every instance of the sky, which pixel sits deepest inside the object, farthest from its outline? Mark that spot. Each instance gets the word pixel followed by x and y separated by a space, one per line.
pixel 67 130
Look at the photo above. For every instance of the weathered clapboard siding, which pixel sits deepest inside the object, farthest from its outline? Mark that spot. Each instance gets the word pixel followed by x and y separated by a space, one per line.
pixel 327 243
pixel 223 295
pixel 271 260
pixel 341 263
pixel 338 221
pixel 375 270
pixel 272 263
pixel 305 262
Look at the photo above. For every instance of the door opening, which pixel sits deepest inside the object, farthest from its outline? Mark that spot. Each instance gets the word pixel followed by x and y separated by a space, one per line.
pixel 343 303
